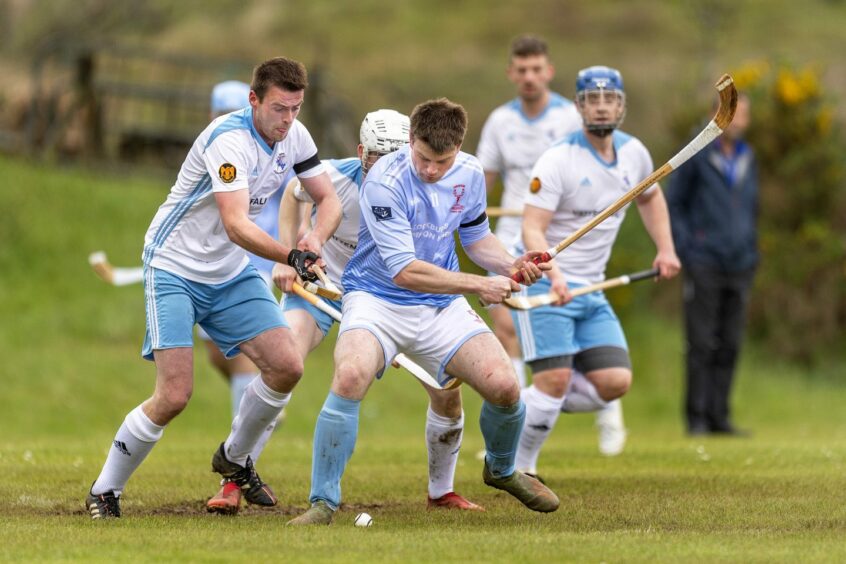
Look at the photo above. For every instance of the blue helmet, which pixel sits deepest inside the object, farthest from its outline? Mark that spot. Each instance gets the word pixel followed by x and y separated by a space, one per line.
pixel 599 77
pixel 229 96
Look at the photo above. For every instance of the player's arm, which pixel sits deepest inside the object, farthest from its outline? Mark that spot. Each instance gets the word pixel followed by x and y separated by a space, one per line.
pixel 290 210
pixel 322 193
pixel 491 177
pixel 653 211
pixel 489 253
pixel 234 207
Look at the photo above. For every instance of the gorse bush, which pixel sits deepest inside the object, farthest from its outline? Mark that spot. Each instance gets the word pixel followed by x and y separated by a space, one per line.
pixel 799 301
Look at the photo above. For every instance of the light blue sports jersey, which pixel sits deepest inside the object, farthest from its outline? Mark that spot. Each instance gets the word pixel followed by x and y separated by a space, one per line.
pixel 404 218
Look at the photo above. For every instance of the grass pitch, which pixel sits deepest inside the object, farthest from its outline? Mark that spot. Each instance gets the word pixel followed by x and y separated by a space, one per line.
pixel 72 371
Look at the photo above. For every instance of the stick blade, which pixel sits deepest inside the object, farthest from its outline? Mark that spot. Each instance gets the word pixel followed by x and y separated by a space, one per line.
pixel 728 101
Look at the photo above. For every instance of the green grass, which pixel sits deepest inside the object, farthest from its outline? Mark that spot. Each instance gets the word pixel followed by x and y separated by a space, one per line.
pixel 72 371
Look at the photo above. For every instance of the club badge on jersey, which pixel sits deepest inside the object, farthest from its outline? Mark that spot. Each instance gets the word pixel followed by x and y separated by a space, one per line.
pixel 458 192
pixel 227 172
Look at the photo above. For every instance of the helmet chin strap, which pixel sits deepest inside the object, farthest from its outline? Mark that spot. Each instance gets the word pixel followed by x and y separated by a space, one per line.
pixel 601 130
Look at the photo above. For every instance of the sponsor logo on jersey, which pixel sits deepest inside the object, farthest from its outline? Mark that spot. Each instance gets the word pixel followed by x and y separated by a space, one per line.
pixel 382 213
pixel 458 192
pixel 227 172
pixel 258 201
pixel 535 185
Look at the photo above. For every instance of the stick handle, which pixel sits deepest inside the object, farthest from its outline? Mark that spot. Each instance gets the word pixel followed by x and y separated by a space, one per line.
pixel 547 256
pixel 317 302
pixel 614 282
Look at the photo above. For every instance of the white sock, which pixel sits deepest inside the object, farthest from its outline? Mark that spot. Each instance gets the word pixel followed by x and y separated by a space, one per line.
pixel 520 369
pixel 443 440
pixel 260 406
pixel 262 441
pixel 238 382
pixel 133 442
pixel 581 395
pixel 542 412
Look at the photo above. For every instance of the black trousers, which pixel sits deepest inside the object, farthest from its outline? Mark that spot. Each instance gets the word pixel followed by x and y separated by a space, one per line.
pixel 715 316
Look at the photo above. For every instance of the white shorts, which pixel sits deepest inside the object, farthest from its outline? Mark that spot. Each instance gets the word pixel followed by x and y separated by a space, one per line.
pixel 429 335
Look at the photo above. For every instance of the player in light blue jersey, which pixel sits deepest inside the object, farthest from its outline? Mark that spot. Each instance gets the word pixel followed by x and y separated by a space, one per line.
pixel 403 295
pixel 572 181
pixel 197 271
pixel 513 137
pixel 382 132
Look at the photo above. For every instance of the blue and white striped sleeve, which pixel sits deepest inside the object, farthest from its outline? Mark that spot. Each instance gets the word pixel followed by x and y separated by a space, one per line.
pixel 384 212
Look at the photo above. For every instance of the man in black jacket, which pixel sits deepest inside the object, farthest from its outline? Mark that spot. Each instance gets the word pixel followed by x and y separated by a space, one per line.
pixel 713 202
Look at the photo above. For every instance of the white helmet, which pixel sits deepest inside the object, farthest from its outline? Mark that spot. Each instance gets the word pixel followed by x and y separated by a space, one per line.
pixel 383 132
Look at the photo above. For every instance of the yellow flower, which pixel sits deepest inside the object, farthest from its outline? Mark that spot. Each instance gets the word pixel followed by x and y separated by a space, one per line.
pixel 789 88
pixel 750 74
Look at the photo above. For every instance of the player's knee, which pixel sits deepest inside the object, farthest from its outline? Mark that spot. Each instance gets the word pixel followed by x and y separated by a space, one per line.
pixel 284 373
pixel 170 402
pixel 350 381
pixel 507 393
pixel 615 385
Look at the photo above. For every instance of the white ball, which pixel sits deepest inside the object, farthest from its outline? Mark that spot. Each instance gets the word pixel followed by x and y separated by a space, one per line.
pixel 363 520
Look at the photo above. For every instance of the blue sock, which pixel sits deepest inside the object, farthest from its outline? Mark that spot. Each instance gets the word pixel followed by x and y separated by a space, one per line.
pixel 501 427
pixel 334 442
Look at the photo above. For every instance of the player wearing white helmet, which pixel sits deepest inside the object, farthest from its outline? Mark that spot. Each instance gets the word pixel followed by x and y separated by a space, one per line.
pixel 573 180
pixel 382 132
pixel 513 137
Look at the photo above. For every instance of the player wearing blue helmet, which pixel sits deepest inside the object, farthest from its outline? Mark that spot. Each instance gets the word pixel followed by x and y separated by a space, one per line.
pixel 572 181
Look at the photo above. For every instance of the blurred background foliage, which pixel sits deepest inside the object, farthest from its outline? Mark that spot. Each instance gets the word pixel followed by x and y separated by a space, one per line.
pixel 370 54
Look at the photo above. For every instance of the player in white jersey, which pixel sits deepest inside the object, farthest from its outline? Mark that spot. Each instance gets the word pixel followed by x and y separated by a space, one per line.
pixel 382 132
pixel 573 181
pixel 403 295
pixel 513 137
pixel 197 271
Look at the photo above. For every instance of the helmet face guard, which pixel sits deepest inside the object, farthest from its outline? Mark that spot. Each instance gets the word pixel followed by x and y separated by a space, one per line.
pixel 382 132
pixel 602 87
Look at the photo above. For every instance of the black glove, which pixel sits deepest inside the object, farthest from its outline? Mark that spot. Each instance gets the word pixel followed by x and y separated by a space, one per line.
pixel 300 261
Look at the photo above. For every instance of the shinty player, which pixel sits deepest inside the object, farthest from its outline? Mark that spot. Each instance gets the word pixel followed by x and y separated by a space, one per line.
pixel 382 132
pixel 513 137
pixel 197 270
pixel 405 267
pixel 574 180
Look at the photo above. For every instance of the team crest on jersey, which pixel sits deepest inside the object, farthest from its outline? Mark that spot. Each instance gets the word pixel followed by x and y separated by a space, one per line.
pixel 535 185
pixel 382 213
pixel 458 193
pixel 227 172
pixel 279 165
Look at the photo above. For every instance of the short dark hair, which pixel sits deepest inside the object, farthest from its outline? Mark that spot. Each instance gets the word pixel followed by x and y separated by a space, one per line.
pixel 528 45
pixel 440 123
pixel 283 73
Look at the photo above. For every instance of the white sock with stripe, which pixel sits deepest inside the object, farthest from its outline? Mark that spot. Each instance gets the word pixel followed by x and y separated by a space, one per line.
pixel 133 442
pixel 581 396
pixel 260 406
pixel 542 412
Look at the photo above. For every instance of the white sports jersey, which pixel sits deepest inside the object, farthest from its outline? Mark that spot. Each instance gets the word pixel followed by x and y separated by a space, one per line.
pixel 187 236
pixel 405 219
pixel 346 175
pixel 511 143
pixel 571 180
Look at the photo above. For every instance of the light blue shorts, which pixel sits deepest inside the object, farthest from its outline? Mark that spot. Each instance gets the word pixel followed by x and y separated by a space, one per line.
pixel 230 313
pixel 324 320
pixel 585 323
